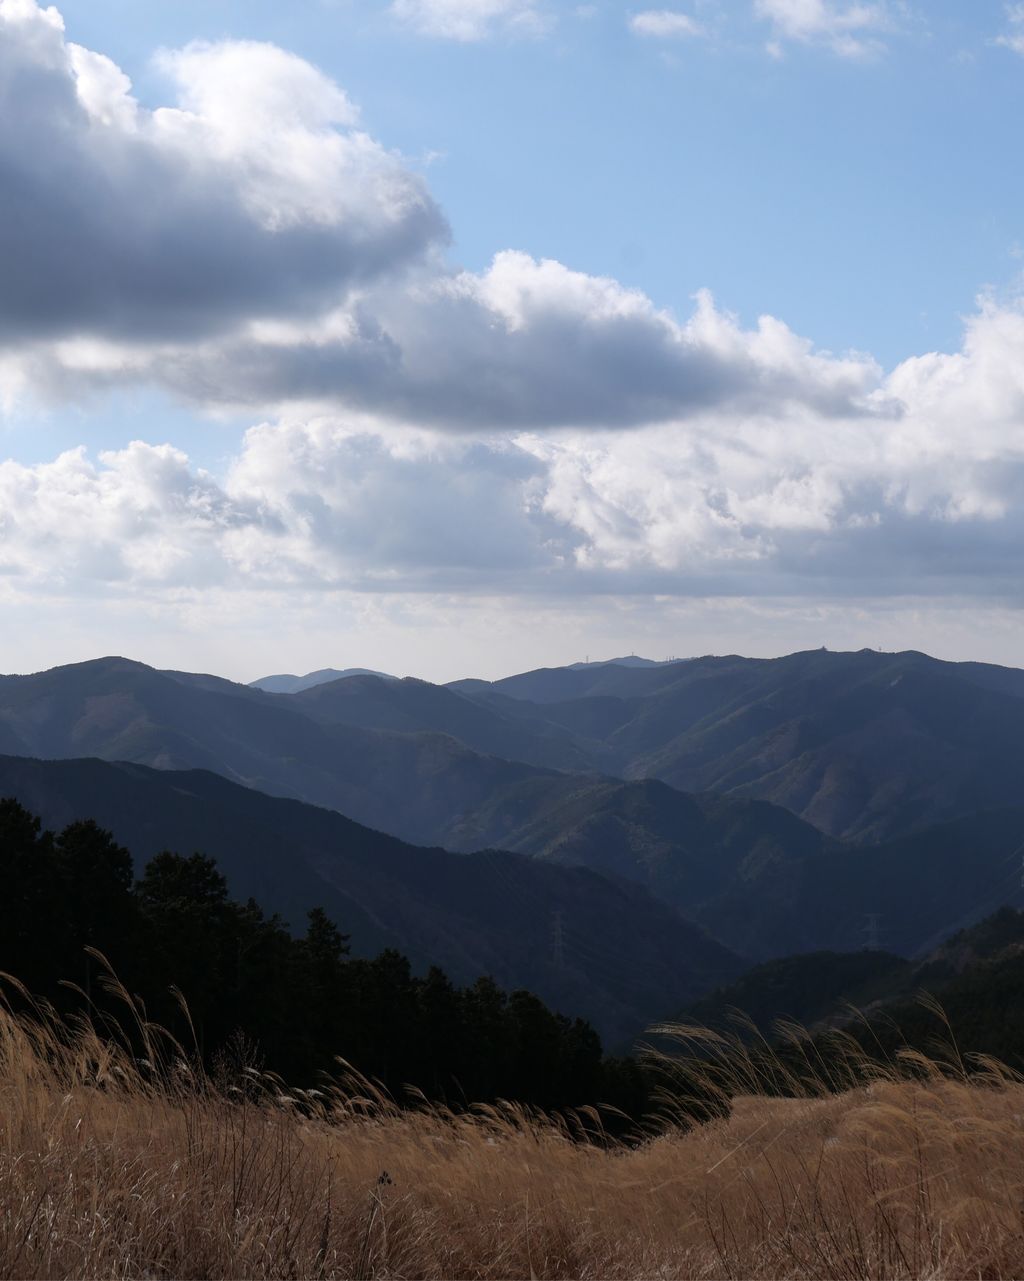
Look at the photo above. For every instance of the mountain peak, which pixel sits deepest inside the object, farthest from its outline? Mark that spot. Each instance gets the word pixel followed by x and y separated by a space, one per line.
pixel 108 663
pixel 626 660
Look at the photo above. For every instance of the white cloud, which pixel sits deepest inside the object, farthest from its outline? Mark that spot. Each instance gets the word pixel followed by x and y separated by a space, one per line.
pixel 376 508
pixel 433 430
pixel 317 504
pixel 469 21
pixel 253 195
pixel 525 343
pixel 664 24
pixel 140 514
pixel 732 501
pixel 250 246
pixel 849 28
pixel 1014 38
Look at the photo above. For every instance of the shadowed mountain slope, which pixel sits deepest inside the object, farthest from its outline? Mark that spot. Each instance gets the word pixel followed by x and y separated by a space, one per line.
pixel 876 742
pixel 862 745
pixel 362 746
pixel 701 854
pixel 407 783
pixel 806 990
pixel 964 999
pixel 413 707
pixel 606 951
pixel 918 890
pixel 825 987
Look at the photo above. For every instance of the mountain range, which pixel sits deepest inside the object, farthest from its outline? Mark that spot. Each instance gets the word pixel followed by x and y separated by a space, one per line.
pixel 774 804
pixel 863 745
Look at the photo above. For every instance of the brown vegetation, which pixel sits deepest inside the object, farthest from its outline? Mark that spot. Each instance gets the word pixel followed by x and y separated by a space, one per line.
pixel 110 1167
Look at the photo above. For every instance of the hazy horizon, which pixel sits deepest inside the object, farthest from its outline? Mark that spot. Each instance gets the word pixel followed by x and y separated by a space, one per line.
pixel 492 671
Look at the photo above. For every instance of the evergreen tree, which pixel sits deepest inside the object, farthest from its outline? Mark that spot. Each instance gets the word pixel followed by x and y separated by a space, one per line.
pixel 256 994
pixel 30 920
pixel 93 879
pixel 442 1038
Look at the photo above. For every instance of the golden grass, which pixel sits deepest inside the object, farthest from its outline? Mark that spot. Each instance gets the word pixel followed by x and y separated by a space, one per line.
pixel 109 1169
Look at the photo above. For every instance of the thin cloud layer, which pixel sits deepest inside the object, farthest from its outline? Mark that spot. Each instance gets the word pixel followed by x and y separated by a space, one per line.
pixel 850 29
pixel 1013 38
pixel 664 24
pixel 470 21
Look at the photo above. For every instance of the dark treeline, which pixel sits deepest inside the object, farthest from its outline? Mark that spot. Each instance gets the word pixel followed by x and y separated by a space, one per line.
pixel 255 992
pixel 961 1010
pixel 962 1015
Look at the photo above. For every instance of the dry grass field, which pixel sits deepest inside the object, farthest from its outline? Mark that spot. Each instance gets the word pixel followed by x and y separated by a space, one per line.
pixel 107 1172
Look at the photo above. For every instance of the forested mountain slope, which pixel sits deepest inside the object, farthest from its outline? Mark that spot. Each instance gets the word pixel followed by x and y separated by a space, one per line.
pixel 963 999
pixel 412 759
pixel 407 783
pixel 704 855
pixel 609 952
pixel 417 707
pixel 863 745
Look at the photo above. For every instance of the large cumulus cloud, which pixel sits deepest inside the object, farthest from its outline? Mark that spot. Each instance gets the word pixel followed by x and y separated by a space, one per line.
pixel 250 245
pixel 524 344
pixel 735 502
pixel 428 429
pixel 255 194
pixel 313 505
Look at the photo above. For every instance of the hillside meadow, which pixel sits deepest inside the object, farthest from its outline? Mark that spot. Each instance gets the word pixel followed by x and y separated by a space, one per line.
pixel 113 1165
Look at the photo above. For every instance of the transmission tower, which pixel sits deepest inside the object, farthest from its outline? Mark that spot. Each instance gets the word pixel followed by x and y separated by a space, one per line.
pixel 557 940
pixel 871 931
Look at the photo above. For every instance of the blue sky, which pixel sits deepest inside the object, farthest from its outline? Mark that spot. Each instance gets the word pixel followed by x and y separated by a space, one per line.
pixel 850 170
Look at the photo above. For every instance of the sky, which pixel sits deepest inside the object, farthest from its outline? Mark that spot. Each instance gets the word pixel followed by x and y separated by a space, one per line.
pixel 458 337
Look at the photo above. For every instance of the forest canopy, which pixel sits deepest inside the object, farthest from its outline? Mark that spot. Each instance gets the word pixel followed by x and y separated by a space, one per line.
pixel 256 992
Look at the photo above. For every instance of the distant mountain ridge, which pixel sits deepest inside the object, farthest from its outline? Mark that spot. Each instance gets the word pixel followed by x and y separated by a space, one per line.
pixel 694 779
pixel 407 783
pixel 425 787
pixel 285 683
pixel 626 660
pixel 863 745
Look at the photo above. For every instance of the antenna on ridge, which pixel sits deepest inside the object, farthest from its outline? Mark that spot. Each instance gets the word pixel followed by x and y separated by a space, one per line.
pixel 871 931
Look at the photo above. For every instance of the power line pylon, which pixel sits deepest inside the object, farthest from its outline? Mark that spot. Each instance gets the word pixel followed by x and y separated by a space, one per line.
pixel 557 940
pixel 871 931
